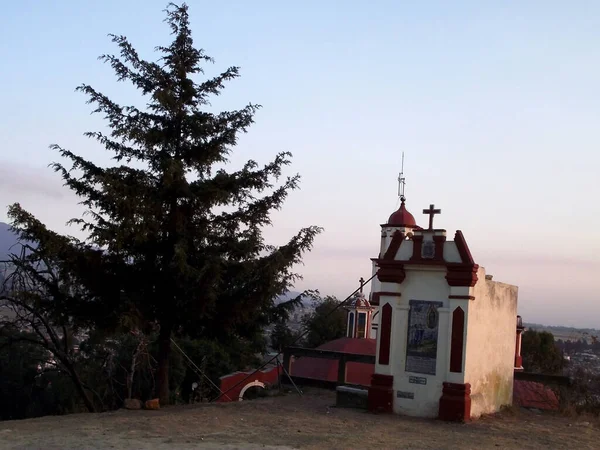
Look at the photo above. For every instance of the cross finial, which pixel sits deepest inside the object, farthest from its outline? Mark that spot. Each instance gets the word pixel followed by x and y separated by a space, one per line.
pixel 432 212
pixel 362 283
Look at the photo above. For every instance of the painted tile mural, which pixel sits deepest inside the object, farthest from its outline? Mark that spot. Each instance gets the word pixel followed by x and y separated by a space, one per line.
pixel 423 322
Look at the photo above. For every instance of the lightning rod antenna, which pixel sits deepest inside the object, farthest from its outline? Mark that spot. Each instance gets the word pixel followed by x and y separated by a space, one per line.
pixel 401 181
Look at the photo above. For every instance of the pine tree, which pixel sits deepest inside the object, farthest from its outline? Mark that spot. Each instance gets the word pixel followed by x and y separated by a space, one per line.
pixel 173 235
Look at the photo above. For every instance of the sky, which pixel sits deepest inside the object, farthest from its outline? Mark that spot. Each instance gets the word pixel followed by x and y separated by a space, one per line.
pixel 495 105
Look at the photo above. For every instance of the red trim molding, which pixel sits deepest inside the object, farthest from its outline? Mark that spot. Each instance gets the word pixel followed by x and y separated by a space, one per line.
pixel 381 394
pixel 464 273
pixel 412 262
pixel 457 341
pixel 376 296
pixel 386 334
pixel 392 250
pixel 463 248
pixel 455 403
pixel 461 297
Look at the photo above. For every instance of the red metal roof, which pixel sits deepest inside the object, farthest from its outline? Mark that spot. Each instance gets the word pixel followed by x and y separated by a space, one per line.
pixel 530 394
pixel 325 369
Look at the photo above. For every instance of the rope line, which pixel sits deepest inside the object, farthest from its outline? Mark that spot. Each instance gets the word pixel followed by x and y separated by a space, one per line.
pixel 293 342
pixel 198 371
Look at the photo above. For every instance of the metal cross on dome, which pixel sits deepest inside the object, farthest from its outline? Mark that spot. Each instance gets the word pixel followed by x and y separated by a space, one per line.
pixel 362 283
pixel 432 212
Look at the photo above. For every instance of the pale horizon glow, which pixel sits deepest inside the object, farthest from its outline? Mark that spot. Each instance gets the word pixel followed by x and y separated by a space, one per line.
pixel 494 104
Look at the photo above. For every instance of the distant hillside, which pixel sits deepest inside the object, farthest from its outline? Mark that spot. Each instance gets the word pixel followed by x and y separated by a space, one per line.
pixel 8 246
pixel 7 240
pixel 565 333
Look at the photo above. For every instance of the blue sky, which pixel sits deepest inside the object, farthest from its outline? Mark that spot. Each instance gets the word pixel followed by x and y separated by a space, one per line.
pixel 494 103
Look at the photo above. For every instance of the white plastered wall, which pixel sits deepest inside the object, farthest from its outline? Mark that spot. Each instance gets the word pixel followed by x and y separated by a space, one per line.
pixel 490 348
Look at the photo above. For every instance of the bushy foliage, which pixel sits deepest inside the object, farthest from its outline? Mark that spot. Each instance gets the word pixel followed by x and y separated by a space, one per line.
pixel 326 323
pixel 283 336
pixel 541 353
pixel 583 396
pixel 26 390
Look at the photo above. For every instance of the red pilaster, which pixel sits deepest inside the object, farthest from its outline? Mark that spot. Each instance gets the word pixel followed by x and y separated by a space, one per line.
pixel 518 357
pixel 457 342
pixel 439 247
pixel 519 363
pixel 455 403
pixel 381 394
pixel 417 245
pixel 386 334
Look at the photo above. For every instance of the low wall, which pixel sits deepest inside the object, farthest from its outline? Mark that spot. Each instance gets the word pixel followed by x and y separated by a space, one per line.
pixel 235 385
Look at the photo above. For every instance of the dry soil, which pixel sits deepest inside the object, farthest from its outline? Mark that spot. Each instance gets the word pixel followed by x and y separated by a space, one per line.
pixel 287 422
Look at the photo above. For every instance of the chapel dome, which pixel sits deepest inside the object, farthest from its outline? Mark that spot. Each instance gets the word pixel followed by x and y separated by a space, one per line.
pixel 402 218
pixel 360 301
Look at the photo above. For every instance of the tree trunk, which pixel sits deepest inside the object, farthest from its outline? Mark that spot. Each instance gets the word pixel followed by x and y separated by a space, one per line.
pixel 131 373
pixel 164 352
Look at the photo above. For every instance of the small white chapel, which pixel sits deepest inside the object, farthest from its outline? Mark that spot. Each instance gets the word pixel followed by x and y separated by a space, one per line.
pixel 447 342
pixel 441 337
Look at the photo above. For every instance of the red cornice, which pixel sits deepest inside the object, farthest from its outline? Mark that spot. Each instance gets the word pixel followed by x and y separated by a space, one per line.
pixel 410 262
pixel 461 297
pixel 390 271
pixel 461 274
pixel 457 274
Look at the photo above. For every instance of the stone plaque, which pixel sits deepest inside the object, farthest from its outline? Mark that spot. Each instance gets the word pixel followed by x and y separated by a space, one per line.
pixel 417 380
pixel 428 250
pixel 422 339
pixel 410 395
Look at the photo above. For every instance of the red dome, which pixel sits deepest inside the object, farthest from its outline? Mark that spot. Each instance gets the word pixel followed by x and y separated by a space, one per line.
pixel 359 301
pixel 402 218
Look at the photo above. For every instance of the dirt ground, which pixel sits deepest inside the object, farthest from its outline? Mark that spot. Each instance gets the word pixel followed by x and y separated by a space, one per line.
pixel 290 422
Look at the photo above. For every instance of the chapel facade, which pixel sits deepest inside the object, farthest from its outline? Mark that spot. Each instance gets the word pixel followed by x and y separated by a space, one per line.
pixel 447 341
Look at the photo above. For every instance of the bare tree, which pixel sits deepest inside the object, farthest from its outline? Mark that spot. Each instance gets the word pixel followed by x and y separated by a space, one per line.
pixel 140 358
pixel 37 304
